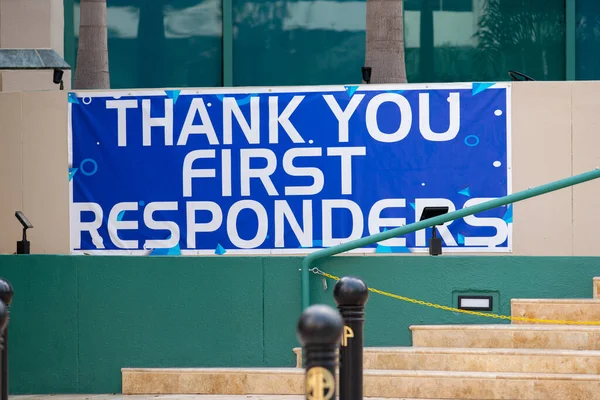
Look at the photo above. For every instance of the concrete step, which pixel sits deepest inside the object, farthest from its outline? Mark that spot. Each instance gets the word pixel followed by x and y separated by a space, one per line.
pixel 508 336
pixel 478 360
pixel 556 309
pixel 597 287
pixel 379 383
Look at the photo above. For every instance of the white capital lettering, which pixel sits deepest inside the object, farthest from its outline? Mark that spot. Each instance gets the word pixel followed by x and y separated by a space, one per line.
pixel 121 106
pixel 346 154
pixel 283 212
pixel 284 119
pixel 205 128
pixel 292 170
pixel 343 116
pixel 148 122
pixel 77 227
pixel 405 117
pixel 114 225
pixel 501 227
pixel 153 224
pixel 264 174
pixel 194 227
pixel 251 130
pixel 263 224
pixel 376 221
pixel 424 119
pixel 357 221
pixel 189 173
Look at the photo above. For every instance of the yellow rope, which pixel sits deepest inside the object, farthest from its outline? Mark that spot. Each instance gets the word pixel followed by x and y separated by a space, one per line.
pixel 452 309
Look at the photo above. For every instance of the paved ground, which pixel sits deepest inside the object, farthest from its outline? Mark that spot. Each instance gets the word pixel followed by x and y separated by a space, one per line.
pixel 153 397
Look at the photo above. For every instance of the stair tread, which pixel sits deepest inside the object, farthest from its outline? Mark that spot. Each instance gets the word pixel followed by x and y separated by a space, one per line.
pixel 482 351
pixel 557 301
pixel 395 373
pixel 479 351
pixel 509 327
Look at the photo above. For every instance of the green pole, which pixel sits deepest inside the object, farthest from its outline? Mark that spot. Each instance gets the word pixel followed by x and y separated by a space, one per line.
pixel 403 230
pixel 227 42
pixel 570 40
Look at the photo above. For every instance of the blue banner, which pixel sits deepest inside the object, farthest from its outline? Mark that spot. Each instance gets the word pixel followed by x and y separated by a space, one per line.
pixel 287 170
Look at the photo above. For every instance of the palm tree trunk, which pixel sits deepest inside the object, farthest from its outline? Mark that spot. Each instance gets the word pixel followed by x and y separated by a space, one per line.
pixel 92 54
pixel 385 41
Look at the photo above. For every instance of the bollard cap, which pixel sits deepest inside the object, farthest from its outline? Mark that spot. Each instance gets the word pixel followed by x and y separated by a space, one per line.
pixel 6 292
pixel 3 317
pixel 319 324
pixel 351 291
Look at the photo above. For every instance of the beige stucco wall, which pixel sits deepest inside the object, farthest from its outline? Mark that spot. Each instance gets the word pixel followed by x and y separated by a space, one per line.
pixel 555 133
pixel 31 24
pixel 34 170
pixel 31 80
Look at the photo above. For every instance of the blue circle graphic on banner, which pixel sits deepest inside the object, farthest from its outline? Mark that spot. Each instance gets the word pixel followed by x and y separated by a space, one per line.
pixel 93 171
pixel 471 140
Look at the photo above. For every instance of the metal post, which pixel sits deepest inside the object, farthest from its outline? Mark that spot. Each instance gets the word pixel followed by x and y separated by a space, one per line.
pixel 351 294
pixel 6 295
pixel 3 320
pixel 319 331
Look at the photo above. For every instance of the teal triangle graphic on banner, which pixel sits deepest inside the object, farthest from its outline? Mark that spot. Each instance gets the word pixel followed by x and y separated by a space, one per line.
pixel 174 251
pixel 350 90
pixel 72 172
pixel 400 249
pixel 413 206
pixel 72 98
pixel 479 87
pixel 465 192
pixel 173 94
pixel 383 249
pixel 508 216
pixel 461 239
pixel 220 250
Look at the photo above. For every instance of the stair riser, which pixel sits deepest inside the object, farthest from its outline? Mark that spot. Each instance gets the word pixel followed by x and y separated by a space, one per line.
pixel 527 363
pixel 211 383
pixel 555 311
pixel 387 386
pixel 558 340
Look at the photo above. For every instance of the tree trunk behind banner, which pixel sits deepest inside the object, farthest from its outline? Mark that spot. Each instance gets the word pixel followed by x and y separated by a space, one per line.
pixel 385 41
pixel 92 53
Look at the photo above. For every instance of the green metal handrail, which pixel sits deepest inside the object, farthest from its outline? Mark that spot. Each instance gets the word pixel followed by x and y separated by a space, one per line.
pixel 439 220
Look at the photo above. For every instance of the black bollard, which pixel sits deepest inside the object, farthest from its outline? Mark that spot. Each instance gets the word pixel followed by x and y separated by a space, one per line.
pixel 319 330
pixel 6 295
pixel 3 319
pixel 351 295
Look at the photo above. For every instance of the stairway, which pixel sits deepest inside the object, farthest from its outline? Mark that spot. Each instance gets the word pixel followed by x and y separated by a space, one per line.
pixel 500 361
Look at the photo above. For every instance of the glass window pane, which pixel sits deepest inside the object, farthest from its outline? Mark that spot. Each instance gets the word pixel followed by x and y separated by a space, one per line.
pixel 587 39
pixel 163 43
pixel 481 40
pixel 298 42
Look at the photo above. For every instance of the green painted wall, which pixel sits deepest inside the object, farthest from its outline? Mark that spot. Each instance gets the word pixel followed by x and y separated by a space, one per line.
pixel 76 321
